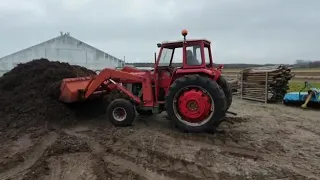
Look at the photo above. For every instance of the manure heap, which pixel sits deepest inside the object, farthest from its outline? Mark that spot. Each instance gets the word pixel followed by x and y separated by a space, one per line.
pixel 29 95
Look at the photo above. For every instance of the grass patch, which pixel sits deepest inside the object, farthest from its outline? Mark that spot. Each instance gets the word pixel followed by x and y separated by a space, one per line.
pixel 293 70
pixel 296 86
pixel 306 70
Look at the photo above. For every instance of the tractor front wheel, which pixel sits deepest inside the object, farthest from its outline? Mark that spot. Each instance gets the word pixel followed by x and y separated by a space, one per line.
pixel 121 112
pixel 195 103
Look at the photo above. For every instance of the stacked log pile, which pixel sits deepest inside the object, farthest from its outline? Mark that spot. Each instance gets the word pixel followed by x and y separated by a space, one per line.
pixel 267 84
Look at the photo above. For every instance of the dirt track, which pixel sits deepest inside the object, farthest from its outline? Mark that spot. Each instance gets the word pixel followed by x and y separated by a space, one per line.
pixel 273 142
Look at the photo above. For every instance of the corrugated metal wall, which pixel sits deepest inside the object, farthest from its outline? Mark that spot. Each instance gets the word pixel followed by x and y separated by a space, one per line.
pixel 64 49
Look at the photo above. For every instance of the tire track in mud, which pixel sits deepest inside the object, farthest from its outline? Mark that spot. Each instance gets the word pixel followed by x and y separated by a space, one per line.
pixel 183 156
pixel 130 149
pixel 55 167
pixel 68 158
pixel 134 167
pixel 31 159
pixel 129 166
pixel 127 151
pixel 178 160
pixel 231 143
pixel 162 163
pixel 189 146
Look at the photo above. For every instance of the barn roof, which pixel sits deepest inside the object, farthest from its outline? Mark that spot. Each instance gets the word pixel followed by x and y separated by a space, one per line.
pixel 65 35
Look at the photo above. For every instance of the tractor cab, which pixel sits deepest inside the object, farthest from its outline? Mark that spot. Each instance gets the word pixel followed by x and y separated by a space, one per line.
pixel 184 54
pixel 177 59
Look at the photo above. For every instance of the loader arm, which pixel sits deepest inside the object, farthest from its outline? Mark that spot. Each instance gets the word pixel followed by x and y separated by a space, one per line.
pixel 82 88
pixel 107 74
pixel 112 76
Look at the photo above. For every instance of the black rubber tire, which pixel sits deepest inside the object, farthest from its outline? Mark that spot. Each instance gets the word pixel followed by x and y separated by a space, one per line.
pixel 285 103
pixel 127 106
pixel 145 112
pixel 213 89
pixel 223 83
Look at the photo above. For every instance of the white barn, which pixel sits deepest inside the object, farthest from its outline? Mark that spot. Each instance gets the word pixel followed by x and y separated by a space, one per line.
pixel 63 48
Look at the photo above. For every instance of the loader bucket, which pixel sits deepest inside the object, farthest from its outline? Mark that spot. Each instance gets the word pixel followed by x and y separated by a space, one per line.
pixel 70 87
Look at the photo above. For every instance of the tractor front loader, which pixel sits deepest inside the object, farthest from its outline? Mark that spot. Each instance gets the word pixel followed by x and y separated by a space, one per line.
pixel 195 96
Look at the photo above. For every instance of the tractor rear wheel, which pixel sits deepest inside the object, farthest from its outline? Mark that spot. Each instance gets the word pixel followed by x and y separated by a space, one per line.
pixel 222 81
pixel 121 112
pixel 195 103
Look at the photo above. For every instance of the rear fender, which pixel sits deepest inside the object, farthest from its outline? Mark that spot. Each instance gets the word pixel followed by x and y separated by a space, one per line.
pixel 211 73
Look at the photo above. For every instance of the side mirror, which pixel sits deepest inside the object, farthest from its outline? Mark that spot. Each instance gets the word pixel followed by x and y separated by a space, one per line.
pixel 159 45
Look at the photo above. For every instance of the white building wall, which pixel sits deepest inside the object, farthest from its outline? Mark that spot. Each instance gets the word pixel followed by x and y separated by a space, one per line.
pixel 64 49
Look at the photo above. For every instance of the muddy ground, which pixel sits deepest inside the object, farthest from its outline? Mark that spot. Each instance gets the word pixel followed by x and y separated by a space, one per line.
pixel 263 142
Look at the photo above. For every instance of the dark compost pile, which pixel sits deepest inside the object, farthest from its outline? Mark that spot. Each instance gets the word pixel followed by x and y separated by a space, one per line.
pixel 29 94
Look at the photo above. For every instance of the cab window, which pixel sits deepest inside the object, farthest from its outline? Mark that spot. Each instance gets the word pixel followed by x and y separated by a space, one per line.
pixel 165 57
pixel 206 55
pixel 193 55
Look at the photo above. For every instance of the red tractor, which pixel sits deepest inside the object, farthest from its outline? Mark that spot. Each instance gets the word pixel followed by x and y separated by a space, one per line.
pixel 195 95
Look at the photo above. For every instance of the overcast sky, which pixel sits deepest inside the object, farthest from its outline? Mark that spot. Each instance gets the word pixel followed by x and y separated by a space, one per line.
pixel 247 31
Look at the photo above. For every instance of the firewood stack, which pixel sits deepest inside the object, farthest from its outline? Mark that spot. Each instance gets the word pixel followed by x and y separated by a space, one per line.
pixel 271 79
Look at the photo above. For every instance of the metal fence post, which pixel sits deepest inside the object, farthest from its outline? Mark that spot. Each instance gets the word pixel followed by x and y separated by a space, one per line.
pixel 241 84
pixel 266 89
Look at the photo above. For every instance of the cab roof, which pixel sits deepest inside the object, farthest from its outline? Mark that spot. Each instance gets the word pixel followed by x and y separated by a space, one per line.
pixel 180 42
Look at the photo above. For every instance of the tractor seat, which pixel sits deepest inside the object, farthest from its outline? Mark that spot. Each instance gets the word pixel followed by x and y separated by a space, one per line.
pixel 191 59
